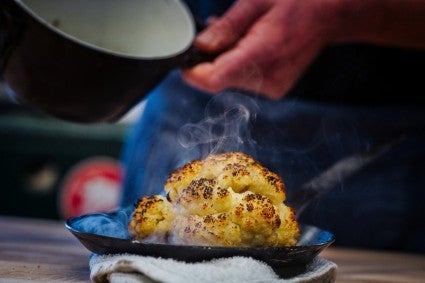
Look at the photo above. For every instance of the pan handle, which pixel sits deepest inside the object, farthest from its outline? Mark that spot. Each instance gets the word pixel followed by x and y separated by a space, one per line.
pixel 195 56
pixel 341 170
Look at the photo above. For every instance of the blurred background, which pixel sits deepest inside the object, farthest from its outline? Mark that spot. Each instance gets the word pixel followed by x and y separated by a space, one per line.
pixel 54 169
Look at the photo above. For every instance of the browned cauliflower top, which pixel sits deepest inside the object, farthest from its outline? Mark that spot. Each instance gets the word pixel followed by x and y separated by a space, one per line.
pixel 226 199
pixel 231 169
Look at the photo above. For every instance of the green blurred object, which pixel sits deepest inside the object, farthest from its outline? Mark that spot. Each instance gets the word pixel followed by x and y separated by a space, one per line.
pixel 37 152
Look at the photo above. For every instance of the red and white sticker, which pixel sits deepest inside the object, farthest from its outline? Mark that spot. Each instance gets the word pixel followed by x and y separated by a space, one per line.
pixel 91 186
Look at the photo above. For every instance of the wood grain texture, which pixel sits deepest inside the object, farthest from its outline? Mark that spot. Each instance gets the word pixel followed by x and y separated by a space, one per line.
pixel 376 266
pixel 34 250
pixel 40 251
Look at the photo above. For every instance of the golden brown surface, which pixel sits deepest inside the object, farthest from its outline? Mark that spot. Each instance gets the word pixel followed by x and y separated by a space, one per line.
pixel 227 199
pixel 232 169
pixel 153 216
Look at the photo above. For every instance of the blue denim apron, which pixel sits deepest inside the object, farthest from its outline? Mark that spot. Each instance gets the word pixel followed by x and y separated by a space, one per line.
pixel 351 100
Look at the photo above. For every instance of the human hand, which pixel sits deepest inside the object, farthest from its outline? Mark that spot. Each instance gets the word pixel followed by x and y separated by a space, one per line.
pixel 264 46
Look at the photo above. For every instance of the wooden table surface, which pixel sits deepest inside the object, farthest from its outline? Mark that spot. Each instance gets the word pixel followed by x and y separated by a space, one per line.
pixel 35 250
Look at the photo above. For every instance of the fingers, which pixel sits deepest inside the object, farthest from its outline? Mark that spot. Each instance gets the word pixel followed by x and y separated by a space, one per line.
pixel 265 53
pixel 243 66
pixel 225 31
pixel 253 65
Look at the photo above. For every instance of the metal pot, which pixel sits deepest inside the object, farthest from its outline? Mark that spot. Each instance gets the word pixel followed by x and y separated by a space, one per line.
pixel 91 61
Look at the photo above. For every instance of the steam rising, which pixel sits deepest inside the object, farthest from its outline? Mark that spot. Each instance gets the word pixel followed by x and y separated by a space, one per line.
pixel 105 224
pixel 226 126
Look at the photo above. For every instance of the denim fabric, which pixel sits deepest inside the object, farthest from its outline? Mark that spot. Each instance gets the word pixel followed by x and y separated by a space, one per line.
pixel 380 206
pixel 352 99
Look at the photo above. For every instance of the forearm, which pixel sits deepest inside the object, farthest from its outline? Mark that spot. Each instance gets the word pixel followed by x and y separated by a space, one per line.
pixel 399 23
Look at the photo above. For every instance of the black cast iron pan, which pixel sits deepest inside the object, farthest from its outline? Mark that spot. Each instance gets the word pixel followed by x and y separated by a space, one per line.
pixel 86 228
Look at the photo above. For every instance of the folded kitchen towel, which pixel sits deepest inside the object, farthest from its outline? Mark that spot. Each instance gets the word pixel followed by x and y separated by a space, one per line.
pixel 134 268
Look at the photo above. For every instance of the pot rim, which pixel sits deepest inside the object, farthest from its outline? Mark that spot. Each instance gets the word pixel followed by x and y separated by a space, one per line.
pixel 32 14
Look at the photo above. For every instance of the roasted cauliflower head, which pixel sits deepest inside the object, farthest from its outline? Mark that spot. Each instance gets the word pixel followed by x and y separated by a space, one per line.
pixel 226 199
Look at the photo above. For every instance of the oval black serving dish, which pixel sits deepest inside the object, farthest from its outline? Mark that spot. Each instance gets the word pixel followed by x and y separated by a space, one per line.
pixel 94 232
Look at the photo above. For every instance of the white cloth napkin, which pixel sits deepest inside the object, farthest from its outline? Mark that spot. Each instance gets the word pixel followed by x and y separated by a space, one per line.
pixel 133 268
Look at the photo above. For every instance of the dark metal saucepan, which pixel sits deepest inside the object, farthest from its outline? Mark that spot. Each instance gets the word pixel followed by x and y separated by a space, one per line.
pixel 91 61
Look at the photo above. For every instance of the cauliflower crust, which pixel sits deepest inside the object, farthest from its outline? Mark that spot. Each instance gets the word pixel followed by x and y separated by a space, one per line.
pixel 181 178
pixel 211 230
pixel 226 199
pixel 231 169
pixel 152 217
pixel 203 197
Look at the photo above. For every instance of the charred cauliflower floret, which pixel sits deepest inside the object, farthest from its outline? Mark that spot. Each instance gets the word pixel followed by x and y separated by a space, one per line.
pixel 242 173
pixel 210 230
pixel 226 199
pixel 152 218
pixel 203 197
pixel 233 169
pixel 180 179
pixel 258 218
pixel 288 231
